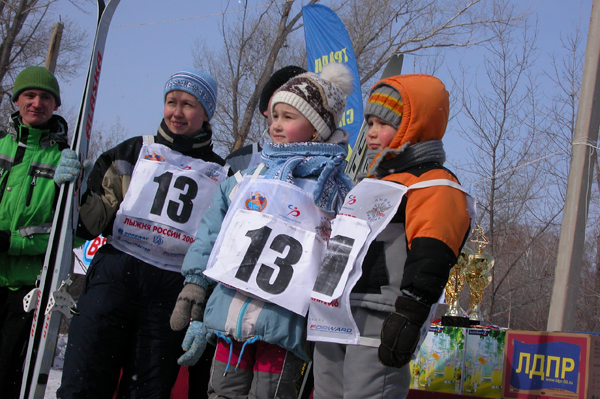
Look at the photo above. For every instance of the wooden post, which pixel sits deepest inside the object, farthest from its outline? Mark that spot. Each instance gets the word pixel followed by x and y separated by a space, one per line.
pixel 563 305
pixel 54 46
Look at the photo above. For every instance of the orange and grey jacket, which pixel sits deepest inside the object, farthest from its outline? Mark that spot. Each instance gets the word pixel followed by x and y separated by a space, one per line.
pixel 415 252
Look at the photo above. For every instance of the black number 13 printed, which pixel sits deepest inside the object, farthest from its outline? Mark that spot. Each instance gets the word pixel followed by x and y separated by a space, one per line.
pixel 259 239
pixel 179 212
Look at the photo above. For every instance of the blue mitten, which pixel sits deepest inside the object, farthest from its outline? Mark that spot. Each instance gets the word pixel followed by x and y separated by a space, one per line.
pixel 193 344
pixel 69 167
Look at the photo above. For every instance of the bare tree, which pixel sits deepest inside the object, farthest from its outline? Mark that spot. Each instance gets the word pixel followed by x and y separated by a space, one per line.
pixel 565 74
pixel 415 26
pixel 25 27
pixel 105 137
pixel 251 47
pixel 260 40
pixel 506 130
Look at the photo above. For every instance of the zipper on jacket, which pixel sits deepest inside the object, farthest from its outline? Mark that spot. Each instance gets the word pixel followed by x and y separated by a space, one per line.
pixel 36 171
pixel 238 327
pixel 31 187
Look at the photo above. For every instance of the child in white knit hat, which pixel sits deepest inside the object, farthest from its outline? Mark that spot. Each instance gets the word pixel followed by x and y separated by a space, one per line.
pixel 263 241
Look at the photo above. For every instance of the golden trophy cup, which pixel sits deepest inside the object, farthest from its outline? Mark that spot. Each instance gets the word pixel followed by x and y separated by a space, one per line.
pixel 478 275
pixel 455 315
pixel 456 283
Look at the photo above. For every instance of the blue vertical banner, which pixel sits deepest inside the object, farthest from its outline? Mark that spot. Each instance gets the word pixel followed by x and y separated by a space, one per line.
pixel 327 41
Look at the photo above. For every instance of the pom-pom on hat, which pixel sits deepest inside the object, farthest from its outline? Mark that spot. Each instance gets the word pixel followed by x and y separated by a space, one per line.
pixel 275 81
pixel 197 83
pixel 320 98
pixel 385 102
pixel 36 77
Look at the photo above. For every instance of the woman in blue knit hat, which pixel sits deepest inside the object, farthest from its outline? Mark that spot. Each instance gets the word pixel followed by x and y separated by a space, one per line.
pixel 147 196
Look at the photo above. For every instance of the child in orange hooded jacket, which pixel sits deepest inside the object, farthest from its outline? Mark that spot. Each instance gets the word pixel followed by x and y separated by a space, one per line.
pixel 406 264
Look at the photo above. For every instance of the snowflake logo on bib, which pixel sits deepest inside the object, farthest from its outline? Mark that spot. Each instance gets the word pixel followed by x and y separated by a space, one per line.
pixel 158 240
pixel 257 201
pixel 324 229
pixel 379 209
pixel 212 174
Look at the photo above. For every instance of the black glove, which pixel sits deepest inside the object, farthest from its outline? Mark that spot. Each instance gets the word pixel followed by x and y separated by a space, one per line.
pixel 401 332
pixel 4 240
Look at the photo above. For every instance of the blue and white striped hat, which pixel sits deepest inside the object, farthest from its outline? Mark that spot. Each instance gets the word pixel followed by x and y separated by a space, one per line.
pixel 199 84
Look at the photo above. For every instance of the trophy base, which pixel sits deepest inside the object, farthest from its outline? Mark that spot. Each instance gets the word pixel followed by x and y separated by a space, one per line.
pixel 474 322
pixel 455 321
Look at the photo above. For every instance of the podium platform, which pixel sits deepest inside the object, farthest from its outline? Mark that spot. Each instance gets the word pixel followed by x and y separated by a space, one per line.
pixel 419 394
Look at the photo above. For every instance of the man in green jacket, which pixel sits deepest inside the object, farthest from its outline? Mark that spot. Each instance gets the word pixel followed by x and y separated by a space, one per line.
pixel 30 150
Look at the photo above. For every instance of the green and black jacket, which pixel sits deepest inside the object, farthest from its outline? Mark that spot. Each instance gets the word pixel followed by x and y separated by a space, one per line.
pixel 28 195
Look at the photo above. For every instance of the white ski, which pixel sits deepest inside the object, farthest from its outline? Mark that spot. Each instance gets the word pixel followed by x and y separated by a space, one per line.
pixel 357 163
pixel 51 294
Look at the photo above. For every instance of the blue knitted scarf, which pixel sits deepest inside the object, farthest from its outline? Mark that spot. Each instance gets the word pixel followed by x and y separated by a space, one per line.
pixel 323 161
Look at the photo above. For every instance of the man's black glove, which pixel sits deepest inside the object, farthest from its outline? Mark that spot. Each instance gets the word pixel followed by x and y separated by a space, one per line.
pixel 4 240
pixel 401 332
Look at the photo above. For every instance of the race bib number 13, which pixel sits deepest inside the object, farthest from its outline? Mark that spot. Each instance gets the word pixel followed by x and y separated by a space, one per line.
pixel 159 216
pixel 269 258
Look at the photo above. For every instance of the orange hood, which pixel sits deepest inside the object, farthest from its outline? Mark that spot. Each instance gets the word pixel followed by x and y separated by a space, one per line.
pixel 425 110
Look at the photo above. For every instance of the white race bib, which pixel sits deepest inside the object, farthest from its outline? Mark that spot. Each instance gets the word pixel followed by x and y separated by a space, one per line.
pixel 271 243
pixel 159 216
pixel 368 208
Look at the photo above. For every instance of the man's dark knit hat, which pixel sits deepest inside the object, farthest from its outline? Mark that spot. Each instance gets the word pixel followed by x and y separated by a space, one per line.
pixel 36 77
pixel 275 82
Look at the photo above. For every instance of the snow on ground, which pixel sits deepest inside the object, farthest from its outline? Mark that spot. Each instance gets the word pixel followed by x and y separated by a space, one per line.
pixel 56 370
pixel 53 383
